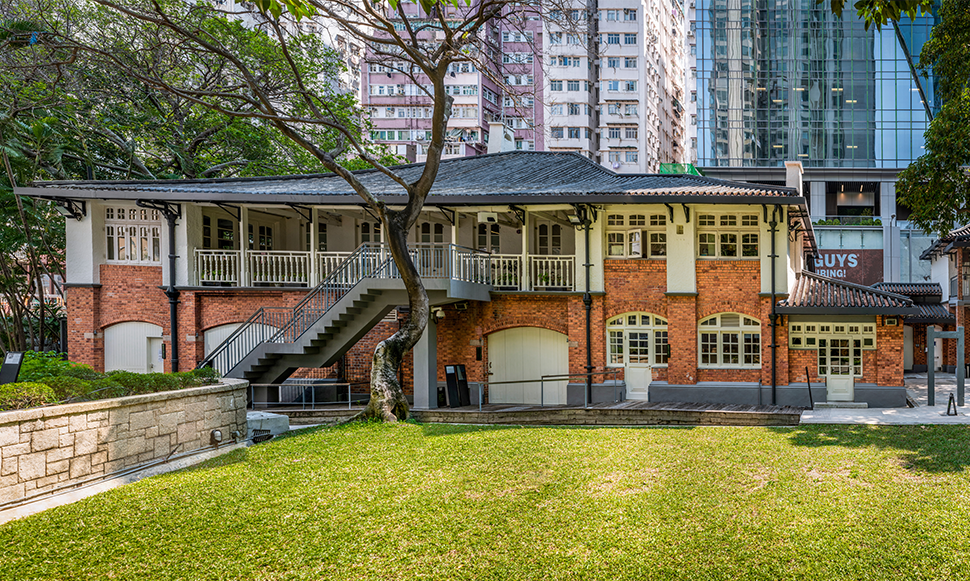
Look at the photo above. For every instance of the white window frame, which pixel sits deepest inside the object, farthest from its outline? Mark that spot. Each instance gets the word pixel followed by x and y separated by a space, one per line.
pixel 729 341
pixel 642 234
pixel 806 334
pixel 139 228
pixel 618 331
pixel 742 230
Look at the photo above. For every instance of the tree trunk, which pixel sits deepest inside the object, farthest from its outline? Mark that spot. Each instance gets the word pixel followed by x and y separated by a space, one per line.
pixel 387 401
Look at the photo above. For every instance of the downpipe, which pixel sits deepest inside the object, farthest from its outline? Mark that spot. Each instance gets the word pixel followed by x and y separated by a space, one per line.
pixel 588 304
pixel 773 317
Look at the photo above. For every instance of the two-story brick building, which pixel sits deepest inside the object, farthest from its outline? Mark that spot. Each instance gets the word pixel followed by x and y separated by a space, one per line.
pixel 538 263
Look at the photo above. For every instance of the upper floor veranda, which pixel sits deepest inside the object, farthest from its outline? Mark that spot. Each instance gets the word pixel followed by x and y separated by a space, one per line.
pixel 540 217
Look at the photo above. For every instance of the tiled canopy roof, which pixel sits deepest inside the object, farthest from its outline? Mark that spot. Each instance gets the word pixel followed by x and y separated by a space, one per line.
pixel 910 289
pixel 815 294
pixel 933 313
pixel 960 236
pixel 550 177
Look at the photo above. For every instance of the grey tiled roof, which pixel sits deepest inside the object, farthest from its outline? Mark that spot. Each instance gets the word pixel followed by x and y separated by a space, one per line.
pixel 815 293
pixel 910 289
pixel 528 174
pixel 933 313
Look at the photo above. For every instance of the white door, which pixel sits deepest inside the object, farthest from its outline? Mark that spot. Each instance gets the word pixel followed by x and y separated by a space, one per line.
pixel 126 346
pixel 907 348
pixel 156 357
pixel 938 351
pixel 637 368
pixel 527 353
pixel 840 362
pixel 216 335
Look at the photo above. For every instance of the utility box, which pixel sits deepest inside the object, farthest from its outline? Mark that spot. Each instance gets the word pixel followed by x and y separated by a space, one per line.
pixel 457 386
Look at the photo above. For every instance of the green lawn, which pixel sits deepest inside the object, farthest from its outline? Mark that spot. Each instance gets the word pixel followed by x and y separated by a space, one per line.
pixel 458 502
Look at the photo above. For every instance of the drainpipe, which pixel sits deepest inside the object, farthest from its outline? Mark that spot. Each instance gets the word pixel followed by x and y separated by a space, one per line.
pixel 588 303
pixel 171 212
pixel 171 292
pixel 773 317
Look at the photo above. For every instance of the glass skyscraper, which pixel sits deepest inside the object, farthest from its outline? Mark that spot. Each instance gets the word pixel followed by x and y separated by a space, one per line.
pixel 781 80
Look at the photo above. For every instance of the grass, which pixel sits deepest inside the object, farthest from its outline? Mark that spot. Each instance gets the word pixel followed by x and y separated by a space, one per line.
pixel 455 502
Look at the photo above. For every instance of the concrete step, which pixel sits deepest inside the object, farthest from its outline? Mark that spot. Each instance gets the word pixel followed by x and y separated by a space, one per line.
pixel 850 405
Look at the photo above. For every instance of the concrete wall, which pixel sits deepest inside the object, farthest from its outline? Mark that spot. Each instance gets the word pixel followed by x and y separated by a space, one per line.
pixel 46 448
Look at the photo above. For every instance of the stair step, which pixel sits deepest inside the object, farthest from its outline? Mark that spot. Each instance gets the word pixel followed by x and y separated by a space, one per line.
pixel 851 405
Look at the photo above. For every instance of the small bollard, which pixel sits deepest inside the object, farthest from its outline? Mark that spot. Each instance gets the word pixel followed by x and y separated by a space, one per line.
pixel 951 405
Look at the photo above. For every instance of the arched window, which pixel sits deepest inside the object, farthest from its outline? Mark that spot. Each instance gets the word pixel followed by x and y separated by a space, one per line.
pixel 638 338
pixel 729 340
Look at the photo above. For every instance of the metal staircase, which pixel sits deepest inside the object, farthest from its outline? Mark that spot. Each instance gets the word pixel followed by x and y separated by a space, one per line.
pixel 334 315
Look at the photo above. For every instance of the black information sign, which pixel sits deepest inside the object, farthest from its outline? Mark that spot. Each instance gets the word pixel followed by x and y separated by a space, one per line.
pixel 11 367
pixel 458 394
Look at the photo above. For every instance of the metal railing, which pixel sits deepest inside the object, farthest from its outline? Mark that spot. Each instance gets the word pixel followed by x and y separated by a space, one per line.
pixel 285 325
pixel 304 394
pixel 265 267
pixel 541 381
pixel 506 271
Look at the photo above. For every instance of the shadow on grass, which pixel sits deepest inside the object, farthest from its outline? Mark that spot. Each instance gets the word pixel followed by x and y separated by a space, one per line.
pixel 920 448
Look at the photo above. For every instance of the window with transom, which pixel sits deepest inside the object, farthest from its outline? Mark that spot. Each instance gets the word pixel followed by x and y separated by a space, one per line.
pixel 636 235
pixel 489 237
pixel 132 235
pixel 727 236
pixel 637 338
pixel 729 340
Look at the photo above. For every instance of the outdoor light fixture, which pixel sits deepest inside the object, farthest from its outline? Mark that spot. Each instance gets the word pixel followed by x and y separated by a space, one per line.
pixel 70 209
pixel 575 220
pixel 216 437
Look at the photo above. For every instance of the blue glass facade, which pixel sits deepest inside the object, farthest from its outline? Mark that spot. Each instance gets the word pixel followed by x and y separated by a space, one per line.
pixel 784 80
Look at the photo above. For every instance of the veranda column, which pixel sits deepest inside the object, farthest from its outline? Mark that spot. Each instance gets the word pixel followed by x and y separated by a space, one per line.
pixel 526 267
pixel 244 246
pixel 425 368
pixel 314 247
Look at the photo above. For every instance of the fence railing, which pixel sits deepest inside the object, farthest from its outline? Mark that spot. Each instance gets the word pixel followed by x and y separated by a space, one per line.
pixel 546 272
pixel 279 267
pixel 552 272
pixel 285 325
pixel 217 266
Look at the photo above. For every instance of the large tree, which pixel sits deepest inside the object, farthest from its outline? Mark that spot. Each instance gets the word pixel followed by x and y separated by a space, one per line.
pixel 937 185
pixel 140 37
pixel 65 115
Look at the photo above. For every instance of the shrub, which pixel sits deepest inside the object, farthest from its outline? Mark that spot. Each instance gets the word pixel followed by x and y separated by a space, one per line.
pixel 107 388
pixel 40 365
pixel 208 374
pixel 65 386
pixel 26 394
pixel 81 371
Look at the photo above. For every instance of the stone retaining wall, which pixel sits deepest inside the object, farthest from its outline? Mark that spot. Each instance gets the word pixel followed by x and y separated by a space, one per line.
pixel 49 447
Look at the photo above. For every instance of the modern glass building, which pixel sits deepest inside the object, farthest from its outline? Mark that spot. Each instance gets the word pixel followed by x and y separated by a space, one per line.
pixel 785 80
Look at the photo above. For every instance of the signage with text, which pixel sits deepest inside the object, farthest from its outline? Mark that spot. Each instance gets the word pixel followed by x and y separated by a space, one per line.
pixel 858 266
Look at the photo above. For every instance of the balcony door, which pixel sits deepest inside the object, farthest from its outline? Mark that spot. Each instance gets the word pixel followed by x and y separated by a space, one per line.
pixel 840 363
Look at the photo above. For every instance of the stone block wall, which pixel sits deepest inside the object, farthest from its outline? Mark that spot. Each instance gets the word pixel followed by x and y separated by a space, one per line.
pixel 42 449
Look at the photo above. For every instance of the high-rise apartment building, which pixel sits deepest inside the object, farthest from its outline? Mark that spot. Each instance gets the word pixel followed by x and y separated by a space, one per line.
pixel 604 79
pixel 785 80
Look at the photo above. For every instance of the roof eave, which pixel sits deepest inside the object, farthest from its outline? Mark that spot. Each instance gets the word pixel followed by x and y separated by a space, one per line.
pixel 804 310
pixel 351 199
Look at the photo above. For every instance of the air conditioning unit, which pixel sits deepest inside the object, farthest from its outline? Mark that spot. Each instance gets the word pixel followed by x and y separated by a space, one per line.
pixel 487 217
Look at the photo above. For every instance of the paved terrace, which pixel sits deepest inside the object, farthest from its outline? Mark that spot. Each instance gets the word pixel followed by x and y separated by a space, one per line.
pixel 920 415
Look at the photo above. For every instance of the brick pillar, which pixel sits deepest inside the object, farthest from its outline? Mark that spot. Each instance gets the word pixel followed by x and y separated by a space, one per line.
pixel 191 337
pixel 682 336
pixel 889 354
pixel 85 339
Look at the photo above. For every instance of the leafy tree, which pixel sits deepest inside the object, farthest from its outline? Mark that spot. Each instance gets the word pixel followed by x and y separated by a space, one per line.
pixel 880 12
pixel 65 115
pixel 937 186
pixel 141 38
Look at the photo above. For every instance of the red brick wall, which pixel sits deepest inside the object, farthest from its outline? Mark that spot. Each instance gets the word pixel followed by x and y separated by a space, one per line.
pixel 884 365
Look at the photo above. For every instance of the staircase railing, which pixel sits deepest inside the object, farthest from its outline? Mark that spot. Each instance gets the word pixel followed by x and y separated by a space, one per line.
pixel 286 325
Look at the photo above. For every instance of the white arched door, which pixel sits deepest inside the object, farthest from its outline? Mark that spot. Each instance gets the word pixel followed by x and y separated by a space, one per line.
pixel 527 353
pixel 134 346
pixel 216 335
